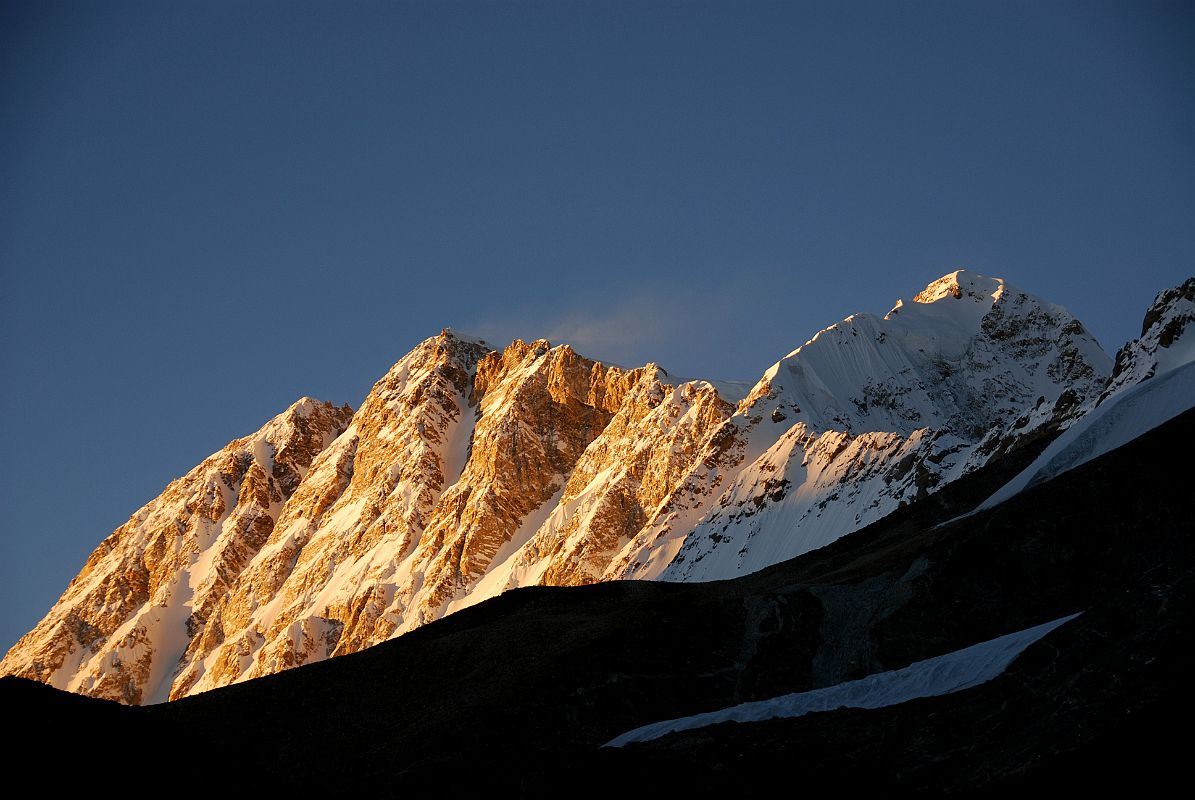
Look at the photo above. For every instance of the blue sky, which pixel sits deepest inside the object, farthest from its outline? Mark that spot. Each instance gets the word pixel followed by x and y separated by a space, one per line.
pixel 210 209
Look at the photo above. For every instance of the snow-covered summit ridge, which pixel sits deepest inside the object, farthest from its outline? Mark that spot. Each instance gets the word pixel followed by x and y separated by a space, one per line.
pixel 871 413
pixel 962 284
pixel 967 350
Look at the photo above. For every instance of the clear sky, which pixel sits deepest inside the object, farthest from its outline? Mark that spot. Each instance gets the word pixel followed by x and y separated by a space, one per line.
pixel 210 209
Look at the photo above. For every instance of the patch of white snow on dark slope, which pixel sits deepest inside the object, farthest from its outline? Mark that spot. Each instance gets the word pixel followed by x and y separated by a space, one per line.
pixel 944 674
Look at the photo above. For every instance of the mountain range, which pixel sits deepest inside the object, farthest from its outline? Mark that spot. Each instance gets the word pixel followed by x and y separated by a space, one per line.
pixel 469 471
pixel 1021 623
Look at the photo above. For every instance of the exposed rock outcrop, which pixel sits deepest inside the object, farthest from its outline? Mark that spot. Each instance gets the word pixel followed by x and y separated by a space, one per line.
pixel 144 595
pixel 1159 346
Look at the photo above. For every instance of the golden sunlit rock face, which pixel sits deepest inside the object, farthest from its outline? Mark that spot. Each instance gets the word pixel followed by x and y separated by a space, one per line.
pixel 154 581
pixel 468 471
pixel 327 532
pixel 435 480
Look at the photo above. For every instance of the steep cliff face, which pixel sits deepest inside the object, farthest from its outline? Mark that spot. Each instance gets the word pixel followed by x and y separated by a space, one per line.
pixel 316 587
pixel 449 457
pixel 618 483
pixel 122 624
pixel 468 471
pixel 1162 345
pixel 540 408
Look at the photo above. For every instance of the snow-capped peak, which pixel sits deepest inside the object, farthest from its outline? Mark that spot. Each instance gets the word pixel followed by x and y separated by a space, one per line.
pixel 963 284
pixel 874 412
pixel 969 350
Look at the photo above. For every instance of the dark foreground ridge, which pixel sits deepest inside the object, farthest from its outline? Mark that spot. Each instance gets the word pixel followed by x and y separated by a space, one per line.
pixel 517 694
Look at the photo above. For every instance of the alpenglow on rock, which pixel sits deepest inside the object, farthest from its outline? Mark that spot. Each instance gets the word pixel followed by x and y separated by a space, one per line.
pixel 467 471
pixel 122 626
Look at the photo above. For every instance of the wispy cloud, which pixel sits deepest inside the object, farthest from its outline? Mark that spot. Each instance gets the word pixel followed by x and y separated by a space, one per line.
pixel 630 330
pixel 704 328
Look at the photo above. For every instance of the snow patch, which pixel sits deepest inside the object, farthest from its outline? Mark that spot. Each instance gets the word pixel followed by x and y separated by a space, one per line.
pixel 944 674
pixel 460 435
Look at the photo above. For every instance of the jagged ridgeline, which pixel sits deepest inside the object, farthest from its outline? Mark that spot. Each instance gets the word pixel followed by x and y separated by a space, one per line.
pixel 467 471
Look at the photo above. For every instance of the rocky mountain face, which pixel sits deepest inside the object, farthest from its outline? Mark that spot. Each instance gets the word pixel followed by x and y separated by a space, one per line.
pixel 121 627
pixel 468 471
pixel 1162 345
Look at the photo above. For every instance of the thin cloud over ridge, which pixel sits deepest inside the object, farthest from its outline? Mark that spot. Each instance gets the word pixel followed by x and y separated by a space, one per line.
pixel 644 326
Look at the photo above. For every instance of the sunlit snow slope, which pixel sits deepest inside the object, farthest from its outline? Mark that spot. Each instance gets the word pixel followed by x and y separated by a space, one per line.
pixel 868 415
